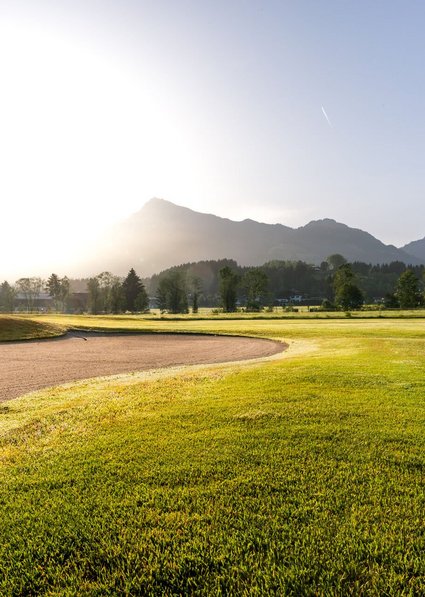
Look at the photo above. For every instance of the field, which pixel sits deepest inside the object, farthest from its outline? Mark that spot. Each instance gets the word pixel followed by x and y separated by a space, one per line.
pixel 301 475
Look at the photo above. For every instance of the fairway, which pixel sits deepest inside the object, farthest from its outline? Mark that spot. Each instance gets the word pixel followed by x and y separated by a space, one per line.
pixel 301 475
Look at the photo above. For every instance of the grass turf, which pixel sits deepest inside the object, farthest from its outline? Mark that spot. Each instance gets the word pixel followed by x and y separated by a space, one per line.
pixel 297 476
pixel 14 328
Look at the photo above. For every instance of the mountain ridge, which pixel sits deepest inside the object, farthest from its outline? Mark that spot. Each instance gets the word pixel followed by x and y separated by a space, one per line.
pixel 162 234
pixel 416 248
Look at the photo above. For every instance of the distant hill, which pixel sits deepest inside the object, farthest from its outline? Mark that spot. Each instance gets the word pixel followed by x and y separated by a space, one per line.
pixel 416 248
pixel 163 234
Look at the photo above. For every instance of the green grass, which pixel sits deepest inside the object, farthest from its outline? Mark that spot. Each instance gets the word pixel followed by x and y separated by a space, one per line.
pixel 302 475
pixel 22 328
pixel 308 329
pixel 302 312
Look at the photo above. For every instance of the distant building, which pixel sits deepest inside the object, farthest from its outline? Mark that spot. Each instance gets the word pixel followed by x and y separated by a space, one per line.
pixel 77 302
pixel 40 303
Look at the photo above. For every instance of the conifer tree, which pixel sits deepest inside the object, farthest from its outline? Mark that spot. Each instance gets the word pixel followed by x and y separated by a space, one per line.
pixel 135 296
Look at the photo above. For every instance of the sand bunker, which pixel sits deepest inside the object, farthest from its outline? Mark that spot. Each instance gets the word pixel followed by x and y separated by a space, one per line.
pixel 29 366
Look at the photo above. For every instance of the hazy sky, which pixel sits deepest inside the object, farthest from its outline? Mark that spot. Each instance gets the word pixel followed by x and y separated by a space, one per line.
pixel 279 111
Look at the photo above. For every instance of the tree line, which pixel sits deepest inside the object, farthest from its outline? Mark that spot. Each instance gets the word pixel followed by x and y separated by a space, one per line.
pixel 105 293
pixel 335 284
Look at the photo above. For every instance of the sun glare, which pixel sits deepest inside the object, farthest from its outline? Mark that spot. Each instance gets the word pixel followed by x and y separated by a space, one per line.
pixel 82 139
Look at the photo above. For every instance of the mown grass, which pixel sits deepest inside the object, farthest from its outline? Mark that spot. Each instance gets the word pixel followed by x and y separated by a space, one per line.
pixel 308 329
pixel 302 312
pixel 297 476
pixel 22 328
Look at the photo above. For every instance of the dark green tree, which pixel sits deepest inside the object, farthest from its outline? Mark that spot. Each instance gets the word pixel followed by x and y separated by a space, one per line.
pixel 343 275
pixel 94 291
pixel 228 287
pixel 106 281
pixel 59 289
pixel 54 289
pixel 172 293
pixel 255 283
pixel 347 294
pixel 195 286
pixel 407 290
pixel 65 287
pixel 195 307
pixel 390 301
pixel 135 296
pixel 336 260
pixel 327 305
pixel 161 296
pixel 116 296
pixel 142 302
pixel 7 297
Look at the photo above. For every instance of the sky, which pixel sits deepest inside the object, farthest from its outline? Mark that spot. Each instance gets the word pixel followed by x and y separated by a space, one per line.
pixel 280 111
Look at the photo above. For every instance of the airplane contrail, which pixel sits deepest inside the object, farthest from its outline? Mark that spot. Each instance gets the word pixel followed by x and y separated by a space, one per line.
pixel 327 117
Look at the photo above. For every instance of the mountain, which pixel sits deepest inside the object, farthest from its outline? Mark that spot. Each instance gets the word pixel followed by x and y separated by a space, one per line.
pixel 163 234
pixel 416 248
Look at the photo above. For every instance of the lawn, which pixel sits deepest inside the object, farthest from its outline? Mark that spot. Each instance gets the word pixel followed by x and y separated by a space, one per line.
pixel 302 475
pixel 14 328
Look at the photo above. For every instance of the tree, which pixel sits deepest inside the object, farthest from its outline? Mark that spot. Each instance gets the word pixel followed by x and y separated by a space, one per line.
pixel 347 294
pixel 30 288
pixel 343 275
pixel 116 296
pixel 93 288
pixel 53 287
pixel 135 296
pixel 58 289
pixel 161 296
pixel 336 261
pixel 327 305
pixel 65 287
pixel 106 281
pixel 142 302
pixel 228 285
pixel 390 301
pixel 396 267
pixel 195 285
pixel 172 293
pixel 7 297
pixel 255 282
pixel 407 290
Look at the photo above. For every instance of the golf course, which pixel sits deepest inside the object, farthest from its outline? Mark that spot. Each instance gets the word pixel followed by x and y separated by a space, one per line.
pixel 296 473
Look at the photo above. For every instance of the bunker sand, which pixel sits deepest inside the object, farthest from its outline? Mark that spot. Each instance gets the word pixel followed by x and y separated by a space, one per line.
pixel 29 366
